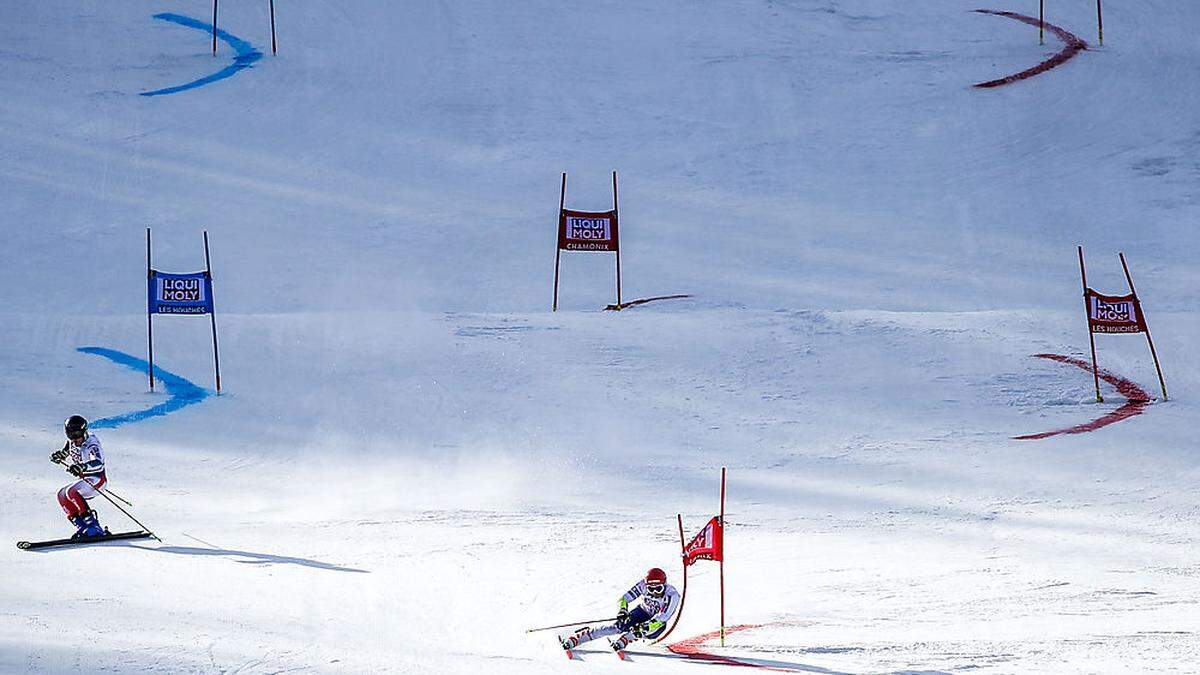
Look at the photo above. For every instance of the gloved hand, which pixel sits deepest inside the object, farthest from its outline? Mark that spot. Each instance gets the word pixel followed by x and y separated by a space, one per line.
pixel 639 631
pixel 622 618
pixel 76 470
pixel 58 455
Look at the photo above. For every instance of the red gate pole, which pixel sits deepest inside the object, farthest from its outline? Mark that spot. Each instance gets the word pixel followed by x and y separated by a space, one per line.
pixel 1087 314
pixel 1100 22
pixel 214 31
pixel 213 314
pixel 274 47
pixel 683 597
pixel 617 221
pixel 149 316
pixel 1145 324
pixel 722 561
pixel 562 201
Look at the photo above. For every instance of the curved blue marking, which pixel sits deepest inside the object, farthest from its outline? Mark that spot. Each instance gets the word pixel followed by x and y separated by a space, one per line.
pixel 183 393
pixel 246 54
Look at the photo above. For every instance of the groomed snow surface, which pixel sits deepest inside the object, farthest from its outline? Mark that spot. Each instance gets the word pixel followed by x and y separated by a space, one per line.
pixel 413 460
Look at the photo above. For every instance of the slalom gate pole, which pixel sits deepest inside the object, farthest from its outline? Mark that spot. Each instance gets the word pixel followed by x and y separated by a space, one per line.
pixel 557 257
pixel 213 314
pixel 568 625
pixel 1100 22
pixel 1041 22
pixel 617 220
pixel 683 595
pixel 214 31
pixel 562 201
pixel 104 493
pixel 1145 324
pixel 721 563
pixel 1087 315
pixel 274 47
pixel 149 317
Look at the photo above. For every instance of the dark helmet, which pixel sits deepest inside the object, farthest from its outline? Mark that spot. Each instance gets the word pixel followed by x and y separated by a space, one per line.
pixel 656 581
pixel 76 427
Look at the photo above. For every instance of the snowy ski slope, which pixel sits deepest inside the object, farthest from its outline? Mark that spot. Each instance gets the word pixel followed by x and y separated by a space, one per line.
pixel 414 460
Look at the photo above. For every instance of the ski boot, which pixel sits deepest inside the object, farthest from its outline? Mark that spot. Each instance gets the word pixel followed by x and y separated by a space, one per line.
pixel 572 641
pixel 621 643
pixel 77 521
pixel 87 526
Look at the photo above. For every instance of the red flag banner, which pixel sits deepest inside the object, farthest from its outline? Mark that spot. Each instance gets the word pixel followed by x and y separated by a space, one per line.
pixel 708 544
pixel 1114 313
pixel 587 230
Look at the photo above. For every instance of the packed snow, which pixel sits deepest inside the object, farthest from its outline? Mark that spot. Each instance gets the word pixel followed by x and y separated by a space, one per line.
pixel 413 460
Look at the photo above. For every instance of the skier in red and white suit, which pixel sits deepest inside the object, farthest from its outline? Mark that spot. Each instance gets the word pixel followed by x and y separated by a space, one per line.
pixel 87 463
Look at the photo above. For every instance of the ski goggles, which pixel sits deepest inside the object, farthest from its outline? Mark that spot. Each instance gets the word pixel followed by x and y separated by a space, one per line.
pixel 655 587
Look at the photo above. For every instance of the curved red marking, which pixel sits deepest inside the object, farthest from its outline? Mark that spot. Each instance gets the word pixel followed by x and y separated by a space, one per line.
pixel 692 648
pixel 1136 400
pixel 1074 45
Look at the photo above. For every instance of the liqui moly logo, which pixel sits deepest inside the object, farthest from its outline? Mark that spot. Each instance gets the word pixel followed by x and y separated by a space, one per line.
pixel 589 228
pixel 1121 311
pixel 188 290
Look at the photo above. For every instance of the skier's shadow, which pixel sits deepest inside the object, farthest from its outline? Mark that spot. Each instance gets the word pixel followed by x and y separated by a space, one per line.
pixel 250 557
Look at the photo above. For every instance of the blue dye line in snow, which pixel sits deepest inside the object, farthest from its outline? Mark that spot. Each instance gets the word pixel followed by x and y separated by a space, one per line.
pixel 183 393
pixel 246 54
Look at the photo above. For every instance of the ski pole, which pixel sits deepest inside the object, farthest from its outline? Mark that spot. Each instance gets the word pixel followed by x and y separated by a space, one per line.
pixel 129 515
pixel 573 623
pixel 104 494
pixel 112 494
pixel 120 499
pixel 126 501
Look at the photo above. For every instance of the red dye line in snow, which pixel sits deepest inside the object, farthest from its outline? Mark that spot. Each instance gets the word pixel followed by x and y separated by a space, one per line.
pixel 692 648
pixel 1074 46
pixel 1137 400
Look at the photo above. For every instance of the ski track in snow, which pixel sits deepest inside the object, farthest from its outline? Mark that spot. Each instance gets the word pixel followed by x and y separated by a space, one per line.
pixel 1074 45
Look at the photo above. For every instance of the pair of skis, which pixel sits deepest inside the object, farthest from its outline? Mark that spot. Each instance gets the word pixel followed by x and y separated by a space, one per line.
pixel 83 541
pixel 570 651
pixel 619 652
pixel 143 533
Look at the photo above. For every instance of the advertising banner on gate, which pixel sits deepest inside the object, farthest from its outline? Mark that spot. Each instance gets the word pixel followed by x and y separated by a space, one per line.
pixel 708 544
pixel 1114 313
pixel 587 230
pixel 188 294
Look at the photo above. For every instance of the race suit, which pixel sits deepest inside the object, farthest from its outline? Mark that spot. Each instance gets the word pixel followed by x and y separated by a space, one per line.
pixel 90 457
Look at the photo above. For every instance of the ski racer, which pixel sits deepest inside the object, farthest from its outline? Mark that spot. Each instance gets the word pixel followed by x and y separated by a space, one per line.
pixel 87 464
pixel 659 600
